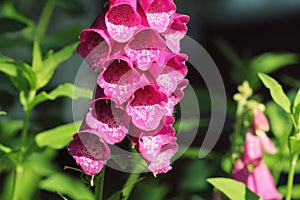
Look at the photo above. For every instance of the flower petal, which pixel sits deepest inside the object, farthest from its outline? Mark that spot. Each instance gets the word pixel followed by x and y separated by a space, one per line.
pixel 158 13
pixel 119 80
pixel 112 122
pixel 144 48
pixel 122 19
pixel 146 108
pixel 95 47
pixel 89 151
pixel 252 149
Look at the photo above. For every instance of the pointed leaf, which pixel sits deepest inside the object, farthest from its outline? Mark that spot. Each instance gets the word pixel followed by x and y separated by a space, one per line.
pixel 276 91
pixel 2 113
pixel 45 72
pixel 66 185
pixel 234 190
pixel 11 70
pixel 4 58
pixel 280 122
pixel 57 138
pixel 37 61
pixel 267 63
pixel 65 90
pixel 296 108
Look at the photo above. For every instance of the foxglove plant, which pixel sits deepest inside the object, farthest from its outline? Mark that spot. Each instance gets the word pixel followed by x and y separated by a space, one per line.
pixel 135 47
pixel 250 168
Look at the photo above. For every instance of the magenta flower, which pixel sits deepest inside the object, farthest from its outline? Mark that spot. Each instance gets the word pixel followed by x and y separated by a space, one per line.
pixel 144 48
pixel 260 121
pixel 253 151
pixel 176 31
pixel 89 151
pixel 122 19
pixel 125 43
pixel 110 121
pixel 174 72
pixel 259 180
pixel 95 47
pixel 158 13
pixel 119 80
pixel 147 107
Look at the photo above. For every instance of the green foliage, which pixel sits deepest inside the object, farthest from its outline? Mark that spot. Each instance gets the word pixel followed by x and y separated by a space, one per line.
pixel 2 113
pixel 64 90
pixel 234 190
pixel 10 25
pixel 247 68
pixel 192 179
pixel 44 69
pixel 295 192
pixel 64 184
pixel 57 138
pixel 276 91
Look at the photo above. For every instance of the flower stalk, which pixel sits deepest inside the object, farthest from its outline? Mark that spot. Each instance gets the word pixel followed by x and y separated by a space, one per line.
pixel 291 176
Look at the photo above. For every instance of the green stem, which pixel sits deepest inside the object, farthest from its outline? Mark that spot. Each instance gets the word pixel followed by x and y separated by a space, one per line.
pixel 45 18
pixel 24 130
pixel 17 182
pixel 291 176
pixel 130 183
pixel 100 185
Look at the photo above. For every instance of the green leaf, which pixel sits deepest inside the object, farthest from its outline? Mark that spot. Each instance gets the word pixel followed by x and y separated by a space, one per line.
pixel 66 185
pixel 45 71
pixel 296 109
pixel 57 138
pixel 9 11
pixel 276 91
pixel 117 196
pixel 37 61
pixel 27 73
pixel 11 70
pixel 4 58
pixel 295 144
pixel 2 113
pixel 295 192
pixel 192 179
pixel 10 25
pixel 234 190
pixel 280 122
pixel 65 90
pixel 267 63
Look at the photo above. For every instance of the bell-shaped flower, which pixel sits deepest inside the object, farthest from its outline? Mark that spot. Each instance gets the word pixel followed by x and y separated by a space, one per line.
pixel 146 108
pixel 174 72
pixel 95 47
pixel 122 19
pixel 145 48
pixel 119 80
pixel 258 179
pixel 176 31
pixel 158 13
pixel 110 121
pixel 90 152
pixel 162 161
pixel 260 121
pixel 253 151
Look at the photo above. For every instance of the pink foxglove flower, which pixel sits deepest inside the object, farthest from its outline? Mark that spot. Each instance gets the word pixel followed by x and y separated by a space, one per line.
pixel 89 151
pixel 158 13
pixel 260 121
pixel 176 31
pixel 145 48
pixel 110 121
pixel 122 19
pixel 119 80
pixel 253 151
pixel 259 180
pixel 127 43
pixel 95 47
pixel 147 107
